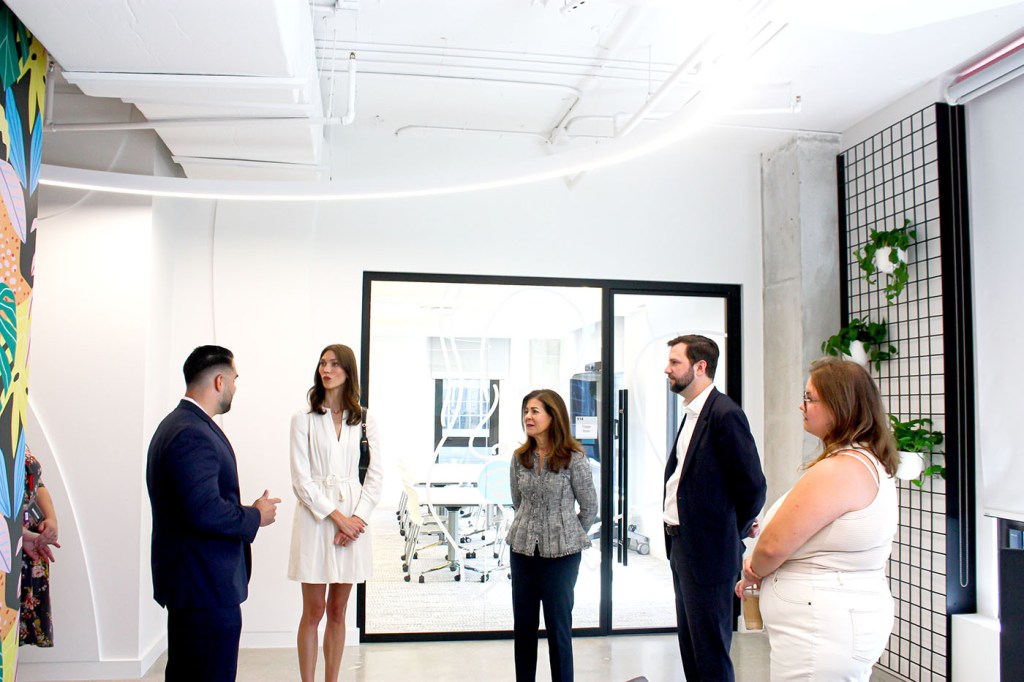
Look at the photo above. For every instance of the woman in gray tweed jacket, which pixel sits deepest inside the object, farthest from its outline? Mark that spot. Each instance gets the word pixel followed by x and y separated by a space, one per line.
pixel 550 476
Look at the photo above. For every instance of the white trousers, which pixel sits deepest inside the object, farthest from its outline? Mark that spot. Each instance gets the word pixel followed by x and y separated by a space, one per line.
pixel 826 626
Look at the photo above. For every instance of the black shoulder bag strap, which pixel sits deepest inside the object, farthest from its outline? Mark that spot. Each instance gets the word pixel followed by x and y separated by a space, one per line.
pixel 364 449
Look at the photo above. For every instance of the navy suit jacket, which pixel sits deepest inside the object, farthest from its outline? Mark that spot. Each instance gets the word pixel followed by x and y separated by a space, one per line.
pixel 201 532
pixel 721 490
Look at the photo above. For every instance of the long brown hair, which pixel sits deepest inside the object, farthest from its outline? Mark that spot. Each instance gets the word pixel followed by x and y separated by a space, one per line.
pixel 562 442
pixel 349 390
pixel 858 416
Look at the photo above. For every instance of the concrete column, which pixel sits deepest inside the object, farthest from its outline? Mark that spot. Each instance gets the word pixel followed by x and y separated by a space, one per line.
pixel 801 291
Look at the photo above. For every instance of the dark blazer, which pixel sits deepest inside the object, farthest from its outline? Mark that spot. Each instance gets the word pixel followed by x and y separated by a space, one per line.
pixel 201 532
pixel 721 490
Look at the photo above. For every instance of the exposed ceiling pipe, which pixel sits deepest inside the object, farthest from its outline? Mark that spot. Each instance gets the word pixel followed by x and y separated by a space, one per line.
pixel 624 27
pixel 689 64
pixel 48 107
pixel 480 131
pixel 350 115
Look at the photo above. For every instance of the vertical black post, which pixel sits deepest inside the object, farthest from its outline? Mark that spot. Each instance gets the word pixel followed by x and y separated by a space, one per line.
pixel 364 393
pixel 733 344
pixel 961 565
pixel 607 375
pixel 844 244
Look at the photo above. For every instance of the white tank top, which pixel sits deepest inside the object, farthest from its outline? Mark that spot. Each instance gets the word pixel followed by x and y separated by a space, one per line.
pixel 857 541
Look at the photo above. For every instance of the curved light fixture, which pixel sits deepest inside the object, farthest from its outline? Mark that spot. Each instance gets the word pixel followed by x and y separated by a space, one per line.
pixel 699 112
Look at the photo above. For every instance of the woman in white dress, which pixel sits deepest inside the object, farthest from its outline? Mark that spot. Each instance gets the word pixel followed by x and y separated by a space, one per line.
pixel 330 548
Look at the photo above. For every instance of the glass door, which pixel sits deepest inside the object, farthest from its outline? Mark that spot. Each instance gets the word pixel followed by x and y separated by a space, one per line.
pixel 647 416
pixel 449 364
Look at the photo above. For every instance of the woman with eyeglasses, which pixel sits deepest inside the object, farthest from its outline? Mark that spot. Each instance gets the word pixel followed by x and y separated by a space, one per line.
pixel 820 560
pixel 550 477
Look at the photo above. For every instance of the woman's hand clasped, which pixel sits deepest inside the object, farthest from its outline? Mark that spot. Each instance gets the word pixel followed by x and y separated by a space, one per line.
pixel 750 580
pixel 349 528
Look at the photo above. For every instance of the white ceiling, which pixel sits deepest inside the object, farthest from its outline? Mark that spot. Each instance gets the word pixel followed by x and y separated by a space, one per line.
pixel 540 71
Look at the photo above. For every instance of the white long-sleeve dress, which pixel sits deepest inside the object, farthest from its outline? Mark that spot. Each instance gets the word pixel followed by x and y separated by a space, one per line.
pixel 325 477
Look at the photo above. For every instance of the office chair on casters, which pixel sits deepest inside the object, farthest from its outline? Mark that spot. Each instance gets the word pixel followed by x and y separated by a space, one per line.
pixel 414 526
pixel 496 488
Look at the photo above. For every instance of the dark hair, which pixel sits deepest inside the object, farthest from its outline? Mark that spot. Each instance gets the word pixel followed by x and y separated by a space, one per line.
pixel 349 390
pixel 203 359
pixel 699 348
pixel 858 416
pixel 562 442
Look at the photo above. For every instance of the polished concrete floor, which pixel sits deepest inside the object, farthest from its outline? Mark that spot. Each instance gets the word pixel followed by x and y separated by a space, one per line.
pixel 597 659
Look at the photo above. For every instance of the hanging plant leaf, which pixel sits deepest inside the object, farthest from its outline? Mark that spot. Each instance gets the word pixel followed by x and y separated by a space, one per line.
pixel 871 334
pixel 15 141
pixel 897 241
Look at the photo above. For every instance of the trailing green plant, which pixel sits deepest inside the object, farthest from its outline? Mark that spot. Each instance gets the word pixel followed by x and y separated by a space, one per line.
pixel 916 435
pixel 871 334
pixel 896 240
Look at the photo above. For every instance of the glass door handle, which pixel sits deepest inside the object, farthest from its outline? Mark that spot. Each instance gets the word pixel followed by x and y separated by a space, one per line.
pixel 622 521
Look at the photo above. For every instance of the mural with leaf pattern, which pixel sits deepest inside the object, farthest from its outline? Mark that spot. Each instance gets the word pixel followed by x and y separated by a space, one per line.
pixel 22 80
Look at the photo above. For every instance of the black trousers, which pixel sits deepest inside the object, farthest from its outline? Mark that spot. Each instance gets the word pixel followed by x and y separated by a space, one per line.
pixel 202 644
pixel 551 582
pixel 704 620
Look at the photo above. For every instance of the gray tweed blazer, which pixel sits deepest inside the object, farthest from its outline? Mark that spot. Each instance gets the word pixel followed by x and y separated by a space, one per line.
pixel 545 504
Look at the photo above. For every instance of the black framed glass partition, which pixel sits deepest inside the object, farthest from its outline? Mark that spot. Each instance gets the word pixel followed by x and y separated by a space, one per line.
pixel 446 360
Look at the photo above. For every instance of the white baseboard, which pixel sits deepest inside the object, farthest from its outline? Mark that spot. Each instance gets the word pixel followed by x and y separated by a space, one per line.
pixel 81 670
pixel 285 639
pixel 134 669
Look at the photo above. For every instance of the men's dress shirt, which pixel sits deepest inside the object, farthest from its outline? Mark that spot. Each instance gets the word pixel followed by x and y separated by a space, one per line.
pixel 691 415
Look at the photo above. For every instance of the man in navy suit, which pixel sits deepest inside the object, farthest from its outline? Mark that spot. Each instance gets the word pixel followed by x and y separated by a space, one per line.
pixel 201 532
pixel 714 489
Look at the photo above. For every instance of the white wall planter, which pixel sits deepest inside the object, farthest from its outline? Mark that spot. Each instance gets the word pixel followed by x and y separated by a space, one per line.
pixel 882 262
pixel 911 466
pixel 858 353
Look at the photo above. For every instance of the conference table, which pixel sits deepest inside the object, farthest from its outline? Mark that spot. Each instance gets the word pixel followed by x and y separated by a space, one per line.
pixel 453 499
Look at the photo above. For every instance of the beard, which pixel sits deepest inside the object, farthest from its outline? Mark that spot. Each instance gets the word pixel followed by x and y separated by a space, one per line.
pixel 680 385
pixel 225 403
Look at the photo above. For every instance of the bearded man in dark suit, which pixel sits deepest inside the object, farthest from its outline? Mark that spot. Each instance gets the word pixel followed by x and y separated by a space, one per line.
pixel 714 489
pixel 201 556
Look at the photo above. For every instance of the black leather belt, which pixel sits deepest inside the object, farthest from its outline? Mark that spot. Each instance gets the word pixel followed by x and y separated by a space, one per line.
pixel 671 531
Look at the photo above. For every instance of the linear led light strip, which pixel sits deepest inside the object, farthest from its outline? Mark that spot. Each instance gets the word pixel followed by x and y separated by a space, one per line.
pixel 987 73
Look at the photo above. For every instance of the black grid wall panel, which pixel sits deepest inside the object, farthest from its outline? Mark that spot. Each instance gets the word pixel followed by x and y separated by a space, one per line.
pixel 888 178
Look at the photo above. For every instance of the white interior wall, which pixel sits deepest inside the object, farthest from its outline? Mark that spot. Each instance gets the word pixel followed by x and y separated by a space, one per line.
pixel 88 362
pixel 275 283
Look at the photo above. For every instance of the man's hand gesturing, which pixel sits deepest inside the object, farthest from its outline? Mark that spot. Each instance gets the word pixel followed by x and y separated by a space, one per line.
pixel 267 507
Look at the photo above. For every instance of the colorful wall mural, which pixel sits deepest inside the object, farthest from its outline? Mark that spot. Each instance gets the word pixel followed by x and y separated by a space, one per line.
pixel 23 66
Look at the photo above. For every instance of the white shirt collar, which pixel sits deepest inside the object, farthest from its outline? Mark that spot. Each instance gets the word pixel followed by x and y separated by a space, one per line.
pixel 197 405
pixel 695 406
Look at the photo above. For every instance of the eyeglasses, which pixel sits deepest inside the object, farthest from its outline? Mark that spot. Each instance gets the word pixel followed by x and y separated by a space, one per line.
pixel 808 399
